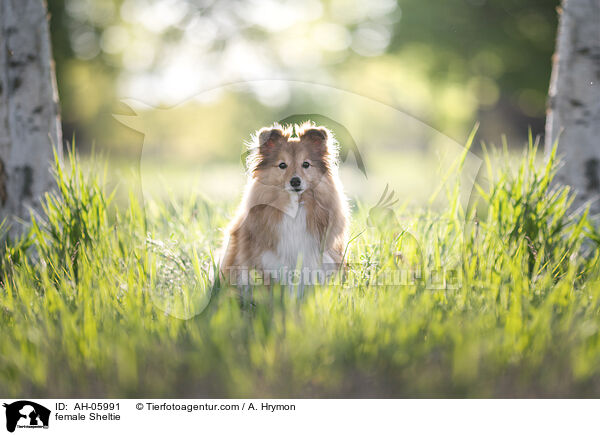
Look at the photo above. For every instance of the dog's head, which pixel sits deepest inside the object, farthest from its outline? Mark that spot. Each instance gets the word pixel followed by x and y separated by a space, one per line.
pixel 294 162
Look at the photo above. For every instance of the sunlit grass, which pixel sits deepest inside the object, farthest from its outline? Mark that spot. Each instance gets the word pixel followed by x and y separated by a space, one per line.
pixel 99 300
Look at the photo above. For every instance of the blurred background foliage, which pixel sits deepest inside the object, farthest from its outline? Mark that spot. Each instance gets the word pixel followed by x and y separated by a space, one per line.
pixel 448 63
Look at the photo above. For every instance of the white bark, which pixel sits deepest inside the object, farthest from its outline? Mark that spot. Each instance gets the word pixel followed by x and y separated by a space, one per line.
pixel 574 99
pixel 29 120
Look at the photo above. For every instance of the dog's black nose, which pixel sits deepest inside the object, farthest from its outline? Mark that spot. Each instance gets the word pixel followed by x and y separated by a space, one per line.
pixel 295 181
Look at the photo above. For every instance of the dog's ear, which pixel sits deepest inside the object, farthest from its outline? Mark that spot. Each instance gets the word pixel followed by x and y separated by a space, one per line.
pixel 317 137
pixel 269 138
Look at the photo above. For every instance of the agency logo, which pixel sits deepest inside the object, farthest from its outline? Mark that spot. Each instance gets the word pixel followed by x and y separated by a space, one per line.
pixel 25 414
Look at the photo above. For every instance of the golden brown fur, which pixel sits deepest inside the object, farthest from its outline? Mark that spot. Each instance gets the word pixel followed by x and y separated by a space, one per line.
pixel 256 231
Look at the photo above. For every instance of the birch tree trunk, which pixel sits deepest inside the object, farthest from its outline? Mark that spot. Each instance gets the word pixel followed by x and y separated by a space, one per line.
pixel 29 119
pixel 574 99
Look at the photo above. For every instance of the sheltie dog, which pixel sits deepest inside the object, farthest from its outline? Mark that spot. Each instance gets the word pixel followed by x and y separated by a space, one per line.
pixel 294 215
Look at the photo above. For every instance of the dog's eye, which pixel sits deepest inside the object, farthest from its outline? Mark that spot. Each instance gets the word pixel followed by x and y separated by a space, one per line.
pixel 282 166
pixel 305 165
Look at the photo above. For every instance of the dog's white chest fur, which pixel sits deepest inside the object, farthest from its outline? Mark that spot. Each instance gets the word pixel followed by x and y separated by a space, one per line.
pixel 296 245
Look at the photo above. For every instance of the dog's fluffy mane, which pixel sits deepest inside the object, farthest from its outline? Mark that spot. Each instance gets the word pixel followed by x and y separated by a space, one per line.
pixel 291 132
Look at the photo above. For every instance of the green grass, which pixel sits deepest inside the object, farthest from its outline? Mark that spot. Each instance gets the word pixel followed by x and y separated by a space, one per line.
pixel 98 300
